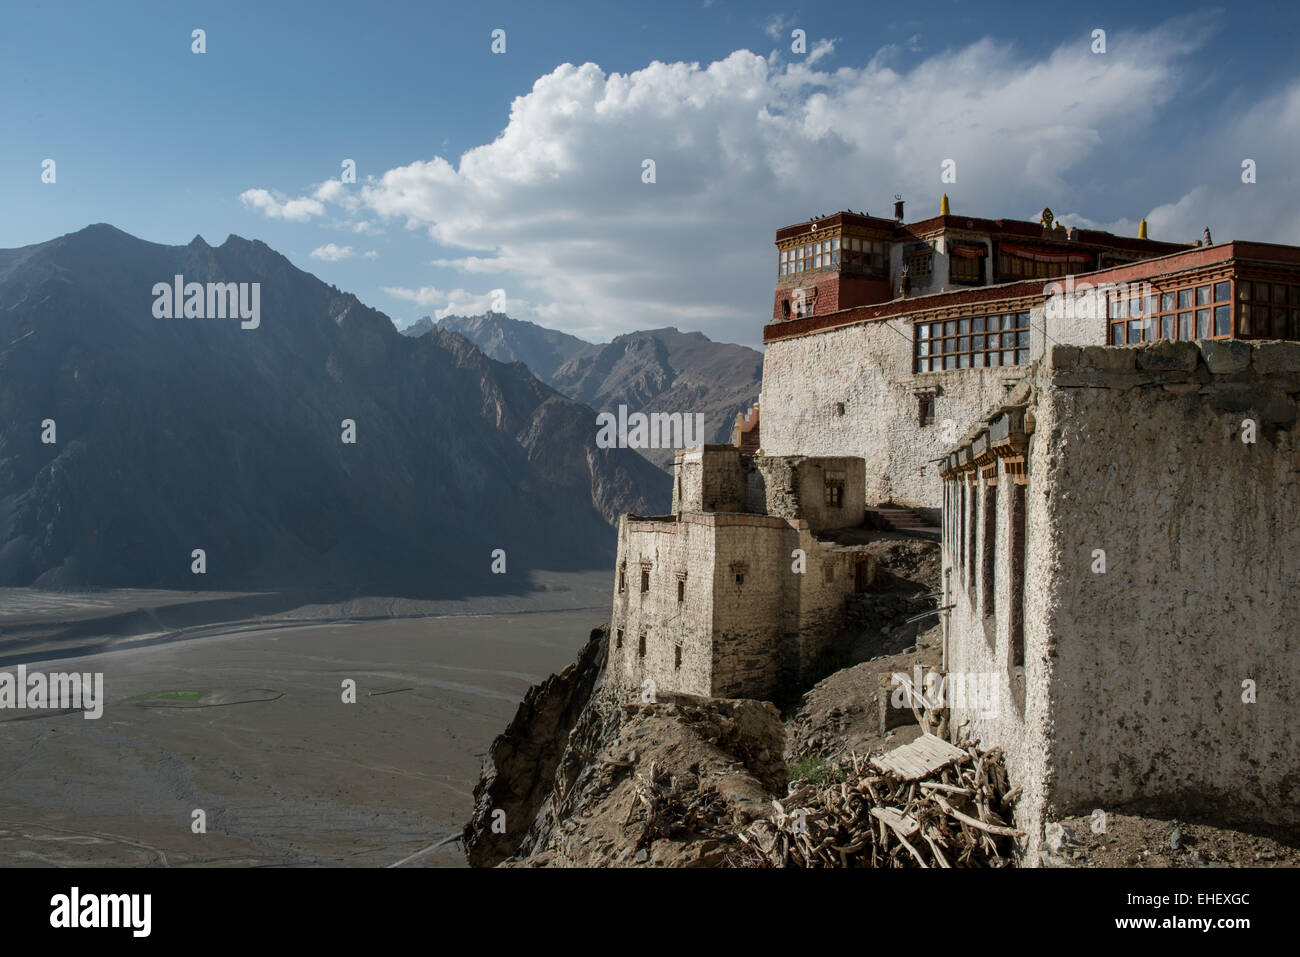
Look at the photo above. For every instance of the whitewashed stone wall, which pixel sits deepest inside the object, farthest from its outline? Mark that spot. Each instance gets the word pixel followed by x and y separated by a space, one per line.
pixel 738 639
pixel 852 391
pixel 1135 675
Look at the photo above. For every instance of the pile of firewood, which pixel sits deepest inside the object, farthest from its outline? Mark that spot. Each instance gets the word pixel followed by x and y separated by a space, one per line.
pixel 955 816
pixel 673 806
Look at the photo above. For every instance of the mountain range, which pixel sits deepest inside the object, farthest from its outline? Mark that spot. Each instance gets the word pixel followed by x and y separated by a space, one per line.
pixel 658 370
pixel 128 441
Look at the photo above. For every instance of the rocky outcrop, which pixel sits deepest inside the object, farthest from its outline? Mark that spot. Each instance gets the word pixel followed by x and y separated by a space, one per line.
pixel 524 763
pixel 580 778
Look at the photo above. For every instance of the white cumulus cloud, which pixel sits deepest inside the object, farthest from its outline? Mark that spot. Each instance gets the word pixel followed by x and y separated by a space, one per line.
pixel 332 253
pixel 275 205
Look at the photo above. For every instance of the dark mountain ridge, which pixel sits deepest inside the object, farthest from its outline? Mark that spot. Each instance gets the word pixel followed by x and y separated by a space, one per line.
pixel 176 434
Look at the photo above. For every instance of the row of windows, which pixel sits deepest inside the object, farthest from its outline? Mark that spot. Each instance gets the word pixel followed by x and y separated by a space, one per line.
pixel 640 648
pixel 972 544
pixel 645 581
pixel 973 342
pixel 853 252
pixel 1196 312
pixel 1019 267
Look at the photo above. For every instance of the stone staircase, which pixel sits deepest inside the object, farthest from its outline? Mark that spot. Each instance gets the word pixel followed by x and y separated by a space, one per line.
pixel 903 520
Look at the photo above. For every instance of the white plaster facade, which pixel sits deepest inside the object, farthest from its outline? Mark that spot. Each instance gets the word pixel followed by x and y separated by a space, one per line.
pixel 1136 679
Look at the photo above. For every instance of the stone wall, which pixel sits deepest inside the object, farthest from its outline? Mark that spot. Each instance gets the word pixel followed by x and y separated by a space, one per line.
pixel 794 487
pixel 708 478
pixel 748 638
pixel 674 552
pixel 852 391
pixel 1161 584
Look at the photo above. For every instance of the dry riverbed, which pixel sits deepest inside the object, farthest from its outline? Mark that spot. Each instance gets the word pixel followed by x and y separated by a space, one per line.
pixel 245 721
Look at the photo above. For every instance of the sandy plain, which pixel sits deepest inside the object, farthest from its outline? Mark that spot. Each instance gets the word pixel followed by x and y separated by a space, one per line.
pixel 233 705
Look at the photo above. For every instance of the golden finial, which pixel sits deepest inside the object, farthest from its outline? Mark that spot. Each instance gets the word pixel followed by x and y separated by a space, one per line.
pixel 1142 229
pixel 943 206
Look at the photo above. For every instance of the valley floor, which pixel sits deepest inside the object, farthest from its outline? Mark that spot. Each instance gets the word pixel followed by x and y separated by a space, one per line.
pixel 244 720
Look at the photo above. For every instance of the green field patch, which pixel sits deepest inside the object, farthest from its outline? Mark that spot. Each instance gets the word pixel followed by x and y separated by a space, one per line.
pixel 188 695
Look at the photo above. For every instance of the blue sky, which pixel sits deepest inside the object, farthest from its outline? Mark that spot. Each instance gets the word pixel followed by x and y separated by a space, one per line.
pixel 521 171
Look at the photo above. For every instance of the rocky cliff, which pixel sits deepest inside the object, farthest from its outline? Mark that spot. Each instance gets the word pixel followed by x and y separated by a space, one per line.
pixel 580 779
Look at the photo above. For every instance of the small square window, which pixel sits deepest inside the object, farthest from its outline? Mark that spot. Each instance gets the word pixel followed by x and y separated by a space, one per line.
pixel 1202 295
pixel 1221 293
pixel 740 578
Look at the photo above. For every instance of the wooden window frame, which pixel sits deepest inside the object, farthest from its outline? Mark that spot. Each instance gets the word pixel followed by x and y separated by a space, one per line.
pixel 1178 310
pixel 929 349
pixel 1249 306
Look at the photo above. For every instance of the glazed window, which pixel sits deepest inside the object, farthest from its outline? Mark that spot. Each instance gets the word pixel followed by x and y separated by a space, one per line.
pixel 1267 310
pixel 920 264
pixel 1202 311
pixel 1000 340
